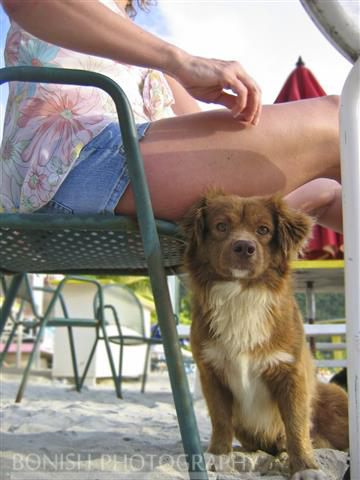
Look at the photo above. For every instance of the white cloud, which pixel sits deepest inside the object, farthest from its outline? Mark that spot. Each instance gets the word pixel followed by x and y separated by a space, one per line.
pixel 265 36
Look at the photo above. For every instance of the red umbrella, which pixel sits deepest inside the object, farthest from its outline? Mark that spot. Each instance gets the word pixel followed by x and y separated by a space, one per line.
pixel 301 84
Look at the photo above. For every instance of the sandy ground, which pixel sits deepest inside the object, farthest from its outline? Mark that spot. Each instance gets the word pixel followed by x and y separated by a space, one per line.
pixel 59 434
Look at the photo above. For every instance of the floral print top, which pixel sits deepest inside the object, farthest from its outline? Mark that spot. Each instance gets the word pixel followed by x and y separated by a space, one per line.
pixel 46 126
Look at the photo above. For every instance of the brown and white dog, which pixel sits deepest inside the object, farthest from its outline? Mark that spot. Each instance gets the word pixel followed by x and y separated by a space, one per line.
pixel 247 333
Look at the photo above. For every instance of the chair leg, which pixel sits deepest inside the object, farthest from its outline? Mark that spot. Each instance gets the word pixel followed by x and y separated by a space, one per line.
pixel 73 358
pixel 152 251
pixel 9 299
pixel 121 356
pixel 111 361
pixel 7 345
pixel 179 384
pixel 26 373
pixel 144 377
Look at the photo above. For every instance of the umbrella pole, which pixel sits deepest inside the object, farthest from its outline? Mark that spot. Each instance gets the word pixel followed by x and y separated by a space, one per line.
pixel 350 175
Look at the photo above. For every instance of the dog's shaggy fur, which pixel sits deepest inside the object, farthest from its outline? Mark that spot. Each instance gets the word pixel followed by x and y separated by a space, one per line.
pixel 247 334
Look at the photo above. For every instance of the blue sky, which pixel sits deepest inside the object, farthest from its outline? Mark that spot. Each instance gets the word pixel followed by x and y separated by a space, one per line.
pixel 4 25
pixel 155 21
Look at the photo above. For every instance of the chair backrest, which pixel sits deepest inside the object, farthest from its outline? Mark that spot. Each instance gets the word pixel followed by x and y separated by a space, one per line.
pixel 129 309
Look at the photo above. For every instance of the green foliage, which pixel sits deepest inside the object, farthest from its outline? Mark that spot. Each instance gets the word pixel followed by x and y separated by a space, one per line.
pixel 185 305
pixel 328 305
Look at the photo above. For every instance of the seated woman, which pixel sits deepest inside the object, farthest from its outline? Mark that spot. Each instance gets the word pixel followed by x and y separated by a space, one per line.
pixel 62 148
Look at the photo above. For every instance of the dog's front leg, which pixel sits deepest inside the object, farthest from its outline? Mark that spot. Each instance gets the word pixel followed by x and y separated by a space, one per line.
pixel 219 401
pixel 294 405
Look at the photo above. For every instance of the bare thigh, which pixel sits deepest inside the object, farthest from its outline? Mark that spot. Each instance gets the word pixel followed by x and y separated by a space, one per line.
pixel 184 156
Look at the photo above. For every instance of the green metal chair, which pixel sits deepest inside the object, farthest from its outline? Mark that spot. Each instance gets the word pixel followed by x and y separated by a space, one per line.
pixel 114 245
pixel 39 322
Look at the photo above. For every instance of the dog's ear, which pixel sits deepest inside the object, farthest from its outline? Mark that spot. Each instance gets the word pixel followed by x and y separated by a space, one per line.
pixel 193 223
pixel 293 228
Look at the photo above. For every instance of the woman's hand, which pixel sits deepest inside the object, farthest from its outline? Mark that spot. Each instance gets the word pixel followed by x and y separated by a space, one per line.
pixel 210 80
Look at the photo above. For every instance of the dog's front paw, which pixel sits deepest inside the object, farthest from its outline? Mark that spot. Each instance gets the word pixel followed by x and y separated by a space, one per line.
pixel 223 463
pixel 310 474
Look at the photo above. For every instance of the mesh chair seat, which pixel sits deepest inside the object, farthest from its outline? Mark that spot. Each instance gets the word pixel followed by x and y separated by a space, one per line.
pixel 41 243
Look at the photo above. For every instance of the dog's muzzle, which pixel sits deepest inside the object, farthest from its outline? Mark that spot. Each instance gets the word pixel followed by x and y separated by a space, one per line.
pixel 244 249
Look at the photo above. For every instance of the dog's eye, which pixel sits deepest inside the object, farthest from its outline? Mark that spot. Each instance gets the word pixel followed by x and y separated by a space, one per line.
pixel 263 230
pixel 221 227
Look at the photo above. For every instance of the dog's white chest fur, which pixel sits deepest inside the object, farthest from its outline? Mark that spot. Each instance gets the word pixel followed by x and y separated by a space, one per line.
pixel 241 321
pixel 240 318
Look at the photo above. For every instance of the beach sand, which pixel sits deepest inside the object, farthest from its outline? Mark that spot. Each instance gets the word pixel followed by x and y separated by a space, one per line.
pixel 57 433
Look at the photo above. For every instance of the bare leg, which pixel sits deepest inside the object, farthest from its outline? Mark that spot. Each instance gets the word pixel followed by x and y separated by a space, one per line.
pixel 293 144
pixel 320 198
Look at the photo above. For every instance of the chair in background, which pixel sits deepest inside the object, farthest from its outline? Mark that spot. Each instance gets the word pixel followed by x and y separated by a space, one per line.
pixel 39 322
pixel 122 308
pixel 17 320
pixel 74 244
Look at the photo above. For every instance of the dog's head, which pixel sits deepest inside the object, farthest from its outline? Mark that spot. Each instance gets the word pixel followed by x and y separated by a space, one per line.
pixel 233 237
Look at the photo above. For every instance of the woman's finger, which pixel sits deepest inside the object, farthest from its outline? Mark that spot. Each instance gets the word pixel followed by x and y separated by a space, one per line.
pixel 253 99
pixel 258 114
pixel 241 97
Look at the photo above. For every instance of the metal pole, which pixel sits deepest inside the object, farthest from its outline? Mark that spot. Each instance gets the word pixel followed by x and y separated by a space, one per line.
pixel 344 33
pixel 350 174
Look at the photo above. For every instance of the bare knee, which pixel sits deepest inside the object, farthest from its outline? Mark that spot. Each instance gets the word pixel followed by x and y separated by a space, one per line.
pixel 333 100
pixel 331 114
pixel 325 201
pixel 330 135
pixel 327 197
pixel 314 196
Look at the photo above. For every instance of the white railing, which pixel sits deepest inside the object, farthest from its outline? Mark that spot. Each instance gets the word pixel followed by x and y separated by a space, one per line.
pixel 343 32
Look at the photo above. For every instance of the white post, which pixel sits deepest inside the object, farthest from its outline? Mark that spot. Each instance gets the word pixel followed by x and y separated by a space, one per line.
pixel 38 281
pixel 19 339
pixel 173 284
pixel 350 175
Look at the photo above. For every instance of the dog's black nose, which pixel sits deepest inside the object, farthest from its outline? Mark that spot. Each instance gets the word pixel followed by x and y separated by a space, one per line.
pixel 244 248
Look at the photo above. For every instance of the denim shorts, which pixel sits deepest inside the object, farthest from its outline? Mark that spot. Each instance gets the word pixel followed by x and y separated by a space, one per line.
pixel 98 178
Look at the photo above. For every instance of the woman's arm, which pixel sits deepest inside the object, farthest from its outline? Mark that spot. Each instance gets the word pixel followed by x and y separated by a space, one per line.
pixel 184 102
pixel 90 27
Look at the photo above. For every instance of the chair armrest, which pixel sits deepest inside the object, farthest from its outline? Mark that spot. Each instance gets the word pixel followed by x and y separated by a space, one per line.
pixel 116 318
